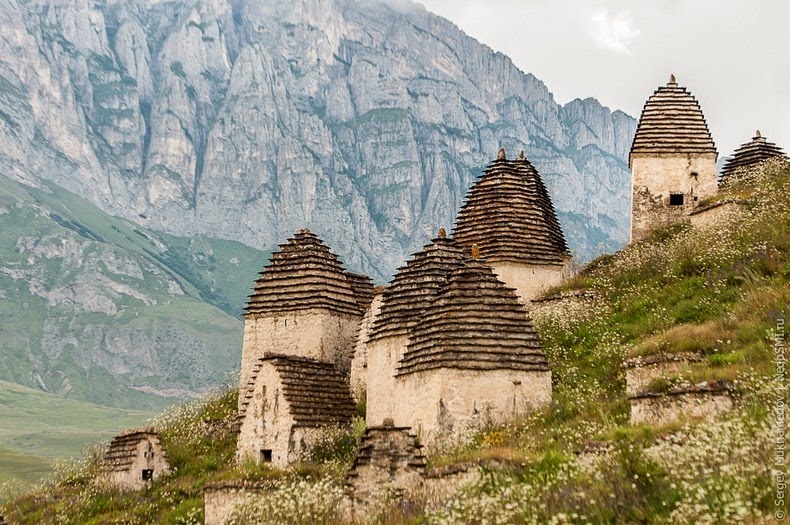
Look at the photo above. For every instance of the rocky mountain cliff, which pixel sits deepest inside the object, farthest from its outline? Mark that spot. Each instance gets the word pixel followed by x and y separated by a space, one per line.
pixel 248 119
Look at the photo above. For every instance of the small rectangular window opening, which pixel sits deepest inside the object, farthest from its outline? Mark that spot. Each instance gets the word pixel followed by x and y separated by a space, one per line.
pixel 148 474
pixel 676 199
pixel 266 456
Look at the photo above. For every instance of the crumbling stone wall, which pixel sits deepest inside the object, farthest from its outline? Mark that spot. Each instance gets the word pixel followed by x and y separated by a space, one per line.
pixel 389 462
pixel 693 403
pixel 220 500
pixel 641 371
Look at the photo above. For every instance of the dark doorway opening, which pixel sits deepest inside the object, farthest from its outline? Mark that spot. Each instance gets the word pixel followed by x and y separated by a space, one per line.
pixel 148 474
pixel 266 456
pixel 676 199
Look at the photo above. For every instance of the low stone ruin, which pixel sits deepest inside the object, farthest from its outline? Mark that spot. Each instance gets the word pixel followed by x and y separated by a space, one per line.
pixel 641 371
pixel 704 400
pixel 390 461
pixel 134 460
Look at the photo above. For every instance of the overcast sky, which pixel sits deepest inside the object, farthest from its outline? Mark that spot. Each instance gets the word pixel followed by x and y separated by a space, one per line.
pixel 734 56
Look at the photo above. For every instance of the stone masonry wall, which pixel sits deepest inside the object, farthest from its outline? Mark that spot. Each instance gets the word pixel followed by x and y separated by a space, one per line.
pixel 657 176
pixel 640 372
pixel 710 216
pixel 530 280
pixel 221 500
pixel 660 409
pixel 447 403
pixel 359 364
pixel 267 423
pixel 383 357
pixel 317 333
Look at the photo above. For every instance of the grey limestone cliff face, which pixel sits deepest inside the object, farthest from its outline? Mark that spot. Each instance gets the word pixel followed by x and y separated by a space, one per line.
pixel 248 120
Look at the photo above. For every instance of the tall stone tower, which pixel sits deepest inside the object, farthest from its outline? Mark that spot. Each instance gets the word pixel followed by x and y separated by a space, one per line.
pixel 750 154
pixel 508 214
pixel 672 160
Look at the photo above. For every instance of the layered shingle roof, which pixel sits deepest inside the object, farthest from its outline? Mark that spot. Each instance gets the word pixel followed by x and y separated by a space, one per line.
pixel 316 392
pixel 414 286
pixel 303 275
pixel 508 214
pixel 476 322
pixel 123 448
pixel 753 152
pixel 672 122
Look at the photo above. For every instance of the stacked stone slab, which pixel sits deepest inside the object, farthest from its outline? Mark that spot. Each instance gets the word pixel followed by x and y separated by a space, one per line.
pixel 304 304
pixel 288 400
pixel 509 215
pixel 299 331
pixel 403 303
pixel 750 154
pixel 134 459
pixel 672 160
pixel 390 462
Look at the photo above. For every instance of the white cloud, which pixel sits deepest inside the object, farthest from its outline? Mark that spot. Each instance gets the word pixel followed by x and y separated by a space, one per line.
pixel 615 33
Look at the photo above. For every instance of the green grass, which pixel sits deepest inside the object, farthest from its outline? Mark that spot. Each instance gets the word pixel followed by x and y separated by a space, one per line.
pixel 38 429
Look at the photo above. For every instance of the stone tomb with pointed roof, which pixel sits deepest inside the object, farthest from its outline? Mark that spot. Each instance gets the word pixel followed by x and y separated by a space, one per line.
pixel 299 332
pixel 134 460
pixel 452 348
pixel 672 160
pixel 304 304
pixel 509 215
pixel 286 403
pixel 750 154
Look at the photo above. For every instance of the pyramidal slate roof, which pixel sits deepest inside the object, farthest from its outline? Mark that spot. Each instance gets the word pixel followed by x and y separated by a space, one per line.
pixel 753 152
pixel 315 391
pixel 508 214
pixel 672 122
pixel 476 322
pixel 123 448
pixel 414 286
pixel 303 275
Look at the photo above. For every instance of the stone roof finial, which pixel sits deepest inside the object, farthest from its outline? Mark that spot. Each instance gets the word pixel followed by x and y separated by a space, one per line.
pixel 304 230
pixel 442 233
pixel 475 251
pixel 757 134
pixel 672 80
pixel 501 154
pixel 521 155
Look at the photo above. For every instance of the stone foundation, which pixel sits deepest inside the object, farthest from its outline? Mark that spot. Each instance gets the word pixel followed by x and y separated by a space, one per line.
pixel 641 371
pixel 220 500
pixel 703 401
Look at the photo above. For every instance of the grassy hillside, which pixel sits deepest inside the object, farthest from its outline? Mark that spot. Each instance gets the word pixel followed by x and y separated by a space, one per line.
pixel 99 309
pixel 38 429
pixel 721 292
